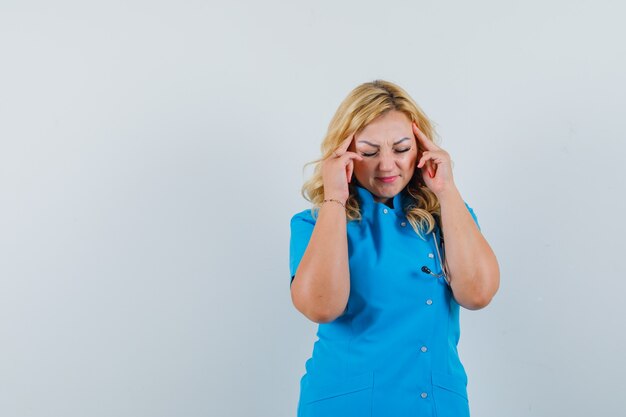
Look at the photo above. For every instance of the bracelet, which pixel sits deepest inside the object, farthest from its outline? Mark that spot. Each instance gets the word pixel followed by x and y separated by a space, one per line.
pixel 336 201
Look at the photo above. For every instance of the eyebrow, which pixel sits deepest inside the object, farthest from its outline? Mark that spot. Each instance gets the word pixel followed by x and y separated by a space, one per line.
pixel 378 146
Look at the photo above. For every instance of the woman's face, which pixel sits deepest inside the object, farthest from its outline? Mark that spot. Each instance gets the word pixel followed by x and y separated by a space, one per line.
pixel 389 152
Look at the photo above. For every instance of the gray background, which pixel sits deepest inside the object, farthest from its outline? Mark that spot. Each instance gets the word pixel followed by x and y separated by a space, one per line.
pixel 151 157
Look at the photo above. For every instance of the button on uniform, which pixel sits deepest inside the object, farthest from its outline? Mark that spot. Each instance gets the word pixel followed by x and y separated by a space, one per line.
pixel 429 301
pixel 430 255
pixel 424 349
pixel 385 211
pixel 424 395
pixel 403 224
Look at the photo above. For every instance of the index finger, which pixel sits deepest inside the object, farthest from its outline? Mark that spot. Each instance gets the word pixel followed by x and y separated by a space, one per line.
pixel 346 142
pixel 428 144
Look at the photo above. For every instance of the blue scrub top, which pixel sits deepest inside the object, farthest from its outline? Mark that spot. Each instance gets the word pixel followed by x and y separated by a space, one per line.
pixel 393 352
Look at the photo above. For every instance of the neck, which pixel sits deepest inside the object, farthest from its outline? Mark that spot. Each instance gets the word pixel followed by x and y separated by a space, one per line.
pixel 386 201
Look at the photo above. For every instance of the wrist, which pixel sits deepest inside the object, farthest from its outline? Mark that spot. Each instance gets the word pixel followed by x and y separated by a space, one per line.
pixel 450 193
pixel 334 201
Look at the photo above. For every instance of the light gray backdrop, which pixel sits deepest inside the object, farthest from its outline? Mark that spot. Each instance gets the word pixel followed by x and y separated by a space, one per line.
pixel 151 157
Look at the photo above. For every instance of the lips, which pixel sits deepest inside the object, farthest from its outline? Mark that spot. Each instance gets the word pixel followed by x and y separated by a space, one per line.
pixel 387 179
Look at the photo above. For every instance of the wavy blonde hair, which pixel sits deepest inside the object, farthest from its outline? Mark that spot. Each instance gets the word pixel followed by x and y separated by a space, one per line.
pixel 362 105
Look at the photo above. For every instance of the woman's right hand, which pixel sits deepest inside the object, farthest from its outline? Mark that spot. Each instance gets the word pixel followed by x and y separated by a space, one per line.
pixel 337 170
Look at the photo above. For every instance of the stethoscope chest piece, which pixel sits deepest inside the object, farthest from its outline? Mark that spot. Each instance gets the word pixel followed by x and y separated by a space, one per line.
pixel 443 273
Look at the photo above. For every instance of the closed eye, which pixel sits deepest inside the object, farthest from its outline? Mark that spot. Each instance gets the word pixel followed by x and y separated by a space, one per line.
pixel 397 150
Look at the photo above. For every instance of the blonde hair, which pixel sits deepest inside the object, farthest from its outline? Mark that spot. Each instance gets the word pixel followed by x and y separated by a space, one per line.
pixel 362 105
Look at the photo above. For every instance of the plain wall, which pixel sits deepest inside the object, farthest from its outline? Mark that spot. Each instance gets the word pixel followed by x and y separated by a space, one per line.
pixel 151 157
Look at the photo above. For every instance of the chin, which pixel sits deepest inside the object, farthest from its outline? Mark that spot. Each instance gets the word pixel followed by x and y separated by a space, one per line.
pixel 389 192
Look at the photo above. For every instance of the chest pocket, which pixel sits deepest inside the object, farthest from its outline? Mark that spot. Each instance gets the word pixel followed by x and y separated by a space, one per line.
pixel 386 267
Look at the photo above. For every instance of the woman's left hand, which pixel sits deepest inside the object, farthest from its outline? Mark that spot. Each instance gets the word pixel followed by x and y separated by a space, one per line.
pixel 434 162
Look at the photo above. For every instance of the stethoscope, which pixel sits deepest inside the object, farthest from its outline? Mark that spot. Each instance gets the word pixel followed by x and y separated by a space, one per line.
pixel 442 267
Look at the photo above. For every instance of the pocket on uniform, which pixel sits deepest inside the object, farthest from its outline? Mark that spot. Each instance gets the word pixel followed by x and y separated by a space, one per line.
pixel 450 395
pixel 341 397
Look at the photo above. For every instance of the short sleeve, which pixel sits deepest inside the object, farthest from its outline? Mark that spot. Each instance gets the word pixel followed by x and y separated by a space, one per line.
pixel 302 225
pixel 473 215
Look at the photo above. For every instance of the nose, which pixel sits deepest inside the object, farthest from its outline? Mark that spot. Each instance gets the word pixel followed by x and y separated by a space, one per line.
pixel 386 162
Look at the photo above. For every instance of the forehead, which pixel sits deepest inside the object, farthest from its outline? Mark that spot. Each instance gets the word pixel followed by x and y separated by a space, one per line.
pixel 387 129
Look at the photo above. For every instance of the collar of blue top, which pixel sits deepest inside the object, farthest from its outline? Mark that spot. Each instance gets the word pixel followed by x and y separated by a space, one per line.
pixel 368 205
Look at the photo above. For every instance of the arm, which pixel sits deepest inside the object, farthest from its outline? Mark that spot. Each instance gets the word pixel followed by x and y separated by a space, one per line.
pixel 473 268
pixel 321 285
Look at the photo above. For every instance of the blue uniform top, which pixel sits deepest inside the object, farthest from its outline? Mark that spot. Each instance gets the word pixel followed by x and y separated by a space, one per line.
pixel 393 352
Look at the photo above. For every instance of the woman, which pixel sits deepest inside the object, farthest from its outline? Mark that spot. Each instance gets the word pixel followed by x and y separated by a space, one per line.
pixel 385 295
